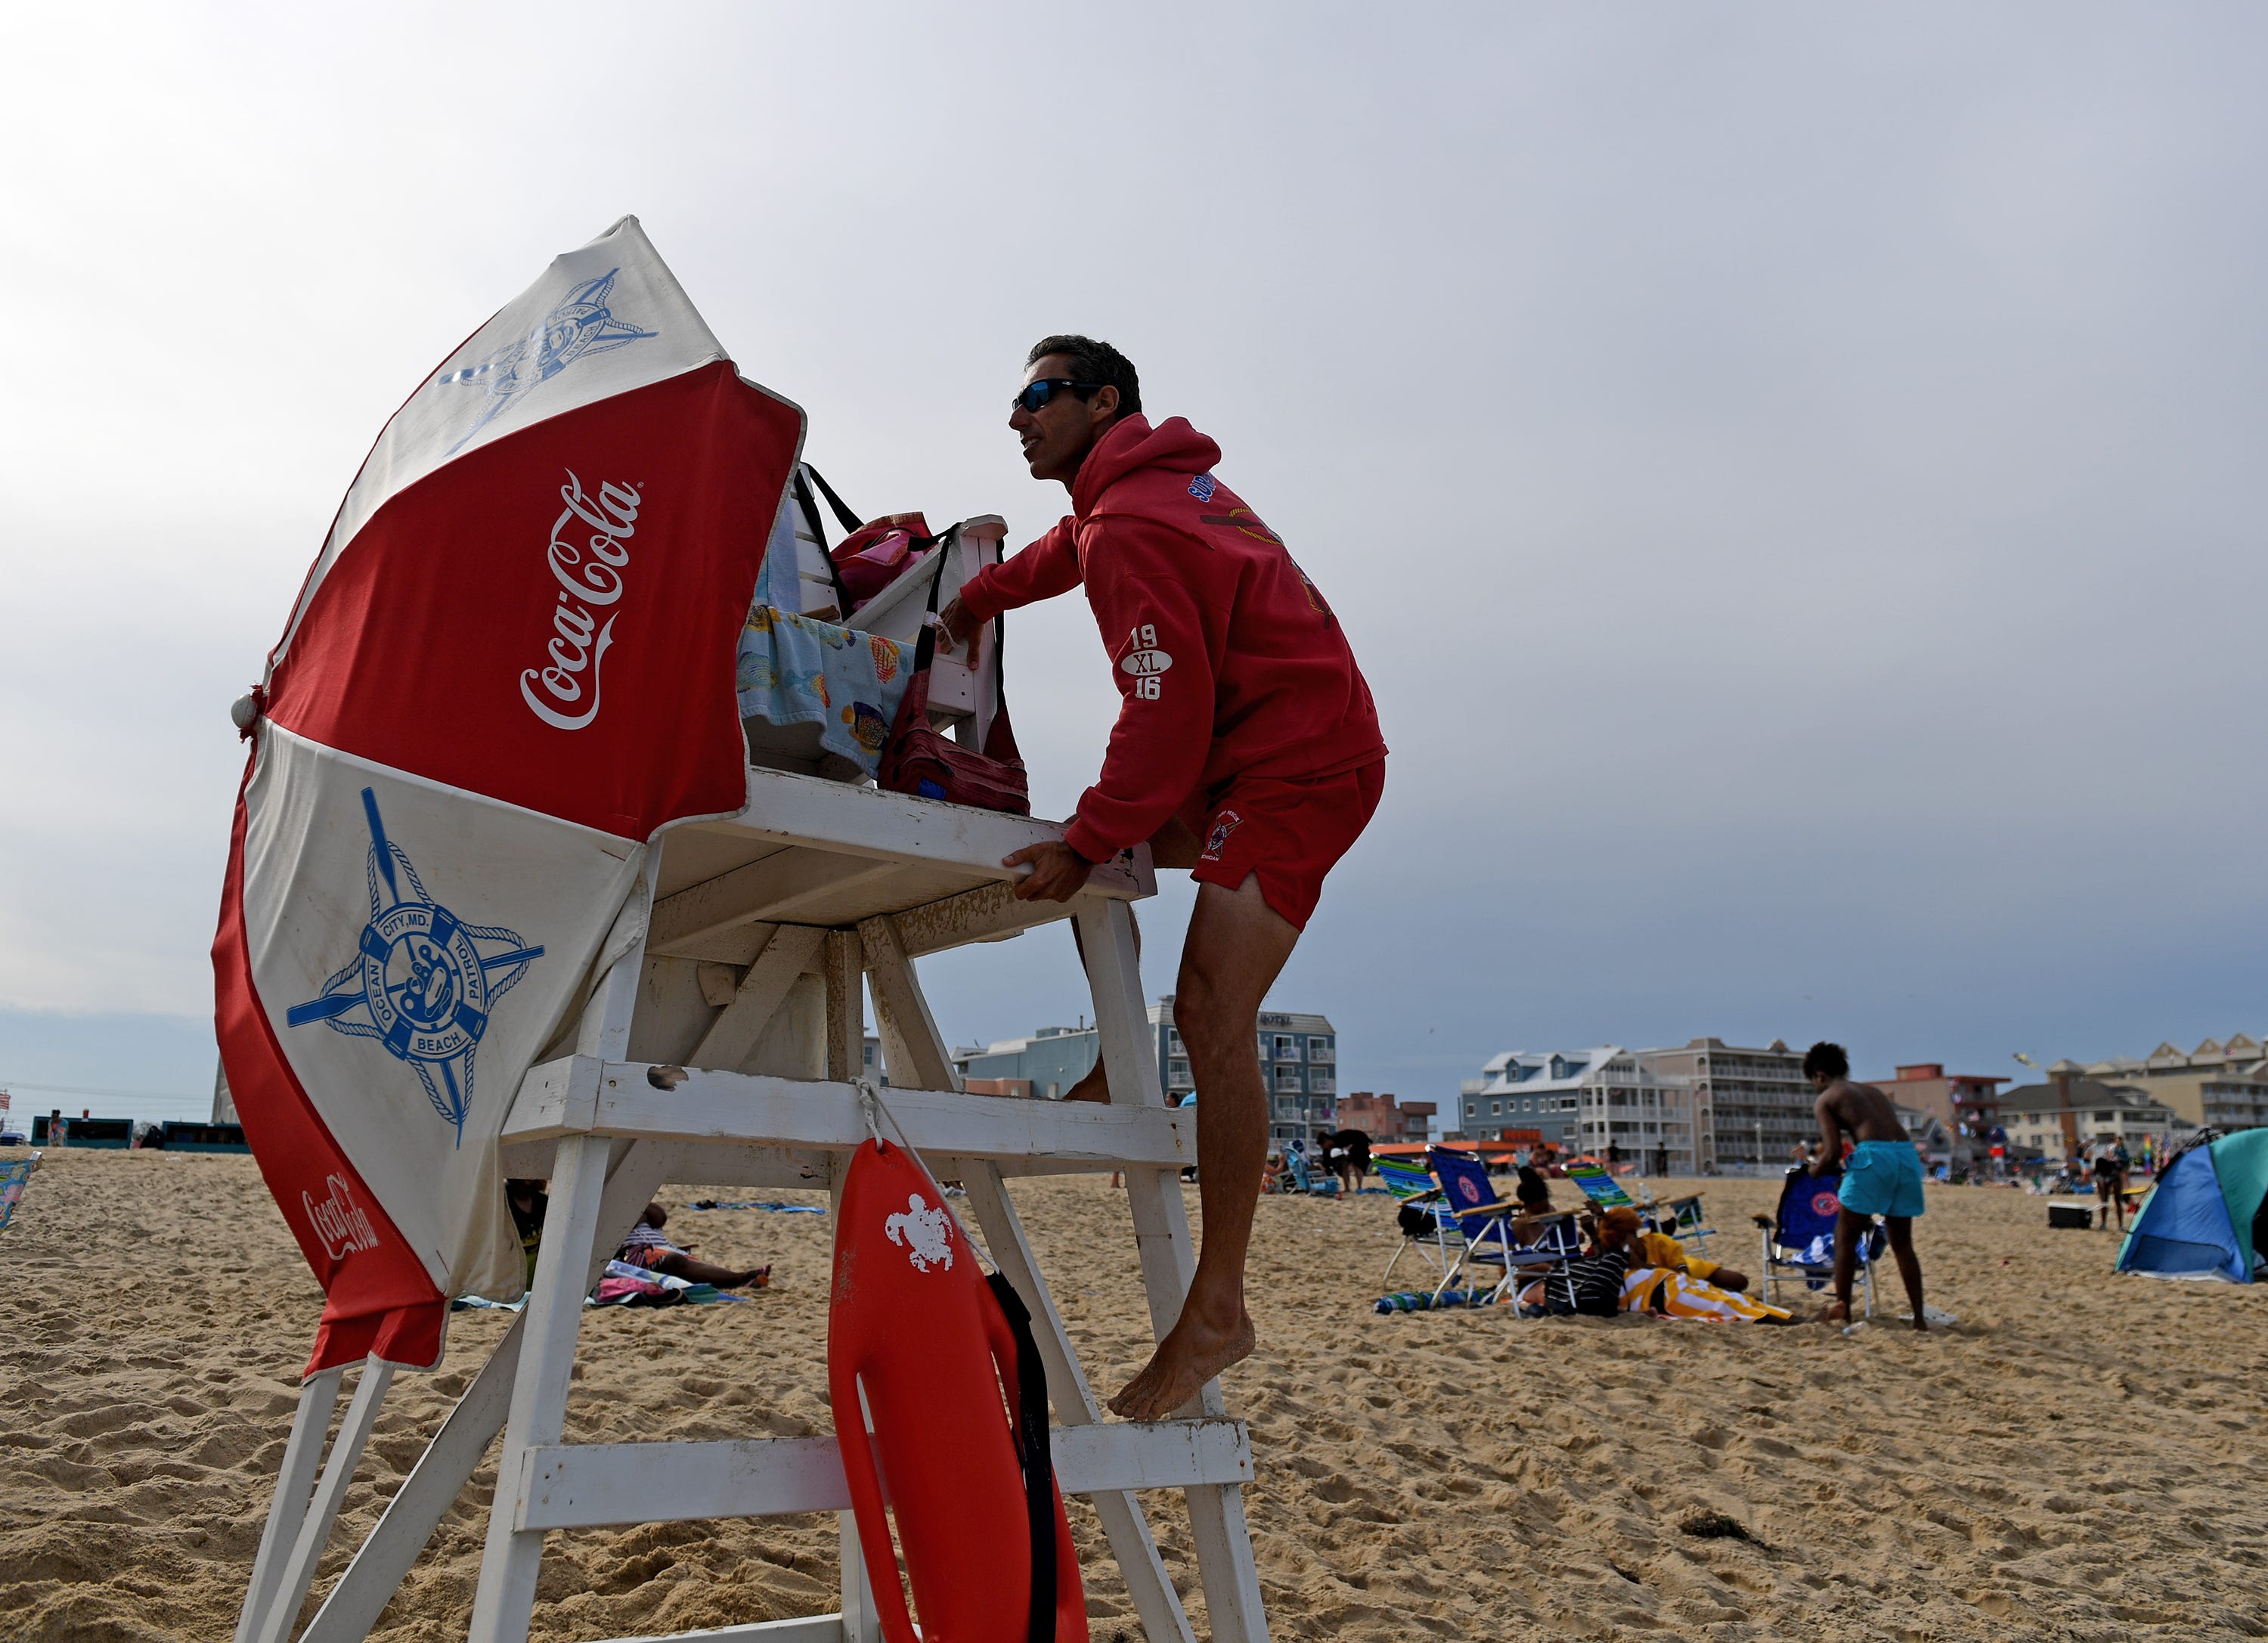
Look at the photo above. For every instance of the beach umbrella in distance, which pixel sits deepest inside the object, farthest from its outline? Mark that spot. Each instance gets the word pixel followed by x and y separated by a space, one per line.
pixel 510 666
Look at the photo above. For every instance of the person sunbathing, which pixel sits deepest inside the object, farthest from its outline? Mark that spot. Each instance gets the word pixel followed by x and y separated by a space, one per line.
pixel 1657 1248
pixel 647 1246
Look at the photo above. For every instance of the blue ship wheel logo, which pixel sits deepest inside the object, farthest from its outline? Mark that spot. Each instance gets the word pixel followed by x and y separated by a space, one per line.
pixel 420 978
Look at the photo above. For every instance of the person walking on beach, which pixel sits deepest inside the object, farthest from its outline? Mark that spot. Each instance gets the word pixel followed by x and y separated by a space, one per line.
pixel 2110 1184
pixel 1246 749
pixel 1882 1178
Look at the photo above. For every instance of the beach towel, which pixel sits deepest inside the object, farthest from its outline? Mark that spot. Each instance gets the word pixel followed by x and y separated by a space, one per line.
pixel 837 689
pixel 1679 1295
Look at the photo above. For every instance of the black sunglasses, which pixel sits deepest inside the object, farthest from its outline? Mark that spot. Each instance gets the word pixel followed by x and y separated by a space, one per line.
pixel 1036 394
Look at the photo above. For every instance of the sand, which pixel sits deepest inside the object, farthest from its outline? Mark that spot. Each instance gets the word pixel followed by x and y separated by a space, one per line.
pixel 2079 1459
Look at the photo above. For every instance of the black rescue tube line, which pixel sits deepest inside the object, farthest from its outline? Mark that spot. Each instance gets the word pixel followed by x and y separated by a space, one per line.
pixel 1037 1456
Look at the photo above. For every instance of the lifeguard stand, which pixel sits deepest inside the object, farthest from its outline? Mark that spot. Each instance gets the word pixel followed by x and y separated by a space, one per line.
pixel 746 950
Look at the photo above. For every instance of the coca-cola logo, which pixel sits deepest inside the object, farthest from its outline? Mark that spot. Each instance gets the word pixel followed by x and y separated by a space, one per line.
pixel 338 1220
pixel 565 694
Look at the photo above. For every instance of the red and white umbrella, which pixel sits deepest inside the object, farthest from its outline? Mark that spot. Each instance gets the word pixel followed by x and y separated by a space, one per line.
pixel 510 666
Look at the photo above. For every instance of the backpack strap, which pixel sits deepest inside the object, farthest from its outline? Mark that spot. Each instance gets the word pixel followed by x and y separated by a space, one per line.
pixel 811 517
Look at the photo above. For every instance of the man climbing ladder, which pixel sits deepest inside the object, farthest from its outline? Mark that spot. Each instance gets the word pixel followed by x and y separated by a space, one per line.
pixel 1246 750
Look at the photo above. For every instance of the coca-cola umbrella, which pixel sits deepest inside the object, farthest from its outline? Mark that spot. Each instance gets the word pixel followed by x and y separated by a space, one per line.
pixel 510 666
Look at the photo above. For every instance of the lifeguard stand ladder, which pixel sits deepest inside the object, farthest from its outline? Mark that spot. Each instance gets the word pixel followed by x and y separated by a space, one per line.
pixel 814 879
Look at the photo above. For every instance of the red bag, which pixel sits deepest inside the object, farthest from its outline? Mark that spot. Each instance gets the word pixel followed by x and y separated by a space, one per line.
pixel 919 760
pixel 874 556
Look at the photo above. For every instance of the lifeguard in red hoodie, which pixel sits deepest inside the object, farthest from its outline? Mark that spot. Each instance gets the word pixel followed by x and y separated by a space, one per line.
pixel 1246 749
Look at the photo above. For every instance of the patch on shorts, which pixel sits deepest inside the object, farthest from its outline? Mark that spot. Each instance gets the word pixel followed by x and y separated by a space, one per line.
pixel 1202 487
pixel 1225 823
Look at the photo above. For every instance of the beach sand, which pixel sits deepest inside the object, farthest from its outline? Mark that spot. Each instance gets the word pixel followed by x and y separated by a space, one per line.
pixel 2079 1459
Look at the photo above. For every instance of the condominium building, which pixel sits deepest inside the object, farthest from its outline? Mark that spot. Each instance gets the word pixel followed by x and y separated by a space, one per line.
pixel 1298 1063
pixel 1384 1118
pixel 1751 1108
pixel 1598 1100
pixel 2071 1112
pixel 1963 1101
pixel 1048 1063
pixel 2222 1083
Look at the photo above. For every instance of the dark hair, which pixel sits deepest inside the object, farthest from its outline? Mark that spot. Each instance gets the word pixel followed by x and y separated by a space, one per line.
pixel 1096 363
pixel 1826 1060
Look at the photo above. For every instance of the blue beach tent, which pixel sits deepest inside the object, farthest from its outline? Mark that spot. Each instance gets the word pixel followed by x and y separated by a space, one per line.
pixel 2208 1216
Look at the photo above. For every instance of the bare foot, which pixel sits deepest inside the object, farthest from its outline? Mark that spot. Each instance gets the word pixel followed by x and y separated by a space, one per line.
pixel 1837 1312
pixel 1190 1355
pixel 1093 1086
pixel 1921 1323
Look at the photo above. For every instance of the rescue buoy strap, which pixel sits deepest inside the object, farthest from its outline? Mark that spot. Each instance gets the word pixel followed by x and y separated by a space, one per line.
pixel 1037 1456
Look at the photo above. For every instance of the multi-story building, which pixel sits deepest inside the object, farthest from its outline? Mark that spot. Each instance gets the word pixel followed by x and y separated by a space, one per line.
pixel 2072 1111
pixel 1048 1063
pixel 1963 1101
pixel 1599 1100
pixel 1298 1063
pixel 1383 1118
pixel 1751 1108
pixel 2222 1084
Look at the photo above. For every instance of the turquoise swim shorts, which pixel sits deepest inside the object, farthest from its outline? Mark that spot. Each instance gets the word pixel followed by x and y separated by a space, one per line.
pixel 1882 1178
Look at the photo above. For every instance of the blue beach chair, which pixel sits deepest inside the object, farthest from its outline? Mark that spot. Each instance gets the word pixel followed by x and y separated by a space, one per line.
pixel 1419 1214
pixel 13 1175
pixel 1482 1219
pixel 1799 1237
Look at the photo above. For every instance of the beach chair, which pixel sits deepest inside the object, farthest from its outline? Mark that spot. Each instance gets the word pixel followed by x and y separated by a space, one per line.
pixel 1482 1220
pixel 13 1175
pixel 1604 1191
pixel 1685 1221
pixel 1799 1237
pixel 1301 1175
pixel 1419 1213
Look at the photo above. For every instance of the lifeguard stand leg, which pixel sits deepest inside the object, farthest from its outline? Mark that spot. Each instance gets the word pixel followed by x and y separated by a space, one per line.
pixel 303 1456
pixel 1161 1235
pixel 425 1497
pixel 275 1623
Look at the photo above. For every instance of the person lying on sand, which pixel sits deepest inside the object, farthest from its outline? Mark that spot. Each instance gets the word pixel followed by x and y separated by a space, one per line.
pixel 1883 1178
pixel 1657 1248
pixel 646 1246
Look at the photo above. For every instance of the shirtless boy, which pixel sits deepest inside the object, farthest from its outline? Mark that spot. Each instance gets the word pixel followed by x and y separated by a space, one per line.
pixel 1883 1178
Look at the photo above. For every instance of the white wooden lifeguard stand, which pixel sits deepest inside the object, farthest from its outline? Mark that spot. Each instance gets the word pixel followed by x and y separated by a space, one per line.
pixel 815 879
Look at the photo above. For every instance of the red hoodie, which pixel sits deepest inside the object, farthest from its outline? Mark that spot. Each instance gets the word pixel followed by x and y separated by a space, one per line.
pixel 1228 662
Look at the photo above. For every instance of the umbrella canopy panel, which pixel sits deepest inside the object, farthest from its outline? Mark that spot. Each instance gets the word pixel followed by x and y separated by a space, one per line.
pixel 509 667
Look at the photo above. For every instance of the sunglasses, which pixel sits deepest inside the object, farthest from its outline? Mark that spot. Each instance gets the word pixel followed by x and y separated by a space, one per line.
pixel 1036 394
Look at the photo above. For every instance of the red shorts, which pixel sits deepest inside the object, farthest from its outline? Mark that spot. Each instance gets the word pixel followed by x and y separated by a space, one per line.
pixel 1290 833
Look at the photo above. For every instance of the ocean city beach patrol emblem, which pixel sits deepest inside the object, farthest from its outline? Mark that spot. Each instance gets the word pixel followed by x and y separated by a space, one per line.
pixel 581 324
pixel 420 976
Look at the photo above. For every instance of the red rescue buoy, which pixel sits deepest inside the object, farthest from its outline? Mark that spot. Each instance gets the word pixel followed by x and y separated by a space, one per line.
pixel 940 1409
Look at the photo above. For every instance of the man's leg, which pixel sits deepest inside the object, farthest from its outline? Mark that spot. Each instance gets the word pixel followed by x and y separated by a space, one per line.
pixel 1174 846
pixel 1849 1229
pixel 1909 1263
pixel 1236 947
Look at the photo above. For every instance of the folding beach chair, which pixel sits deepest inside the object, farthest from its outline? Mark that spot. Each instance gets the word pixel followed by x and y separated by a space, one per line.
pixel 1301 1175
pixel 1604 1191
pixel 1482 1219
pixel 1419 1215
pixel 1799 1238
pixel 13 1175
pixel 1682 1219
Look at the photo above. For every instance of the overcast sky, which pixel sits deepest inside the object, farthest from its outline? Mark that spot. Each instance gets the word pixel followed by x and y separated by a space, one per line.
pixel 1793 477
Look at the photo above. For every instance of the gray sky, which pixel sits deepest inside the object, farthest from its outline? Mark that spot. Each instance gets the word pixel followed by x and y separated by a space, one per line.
pixel 1791 475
